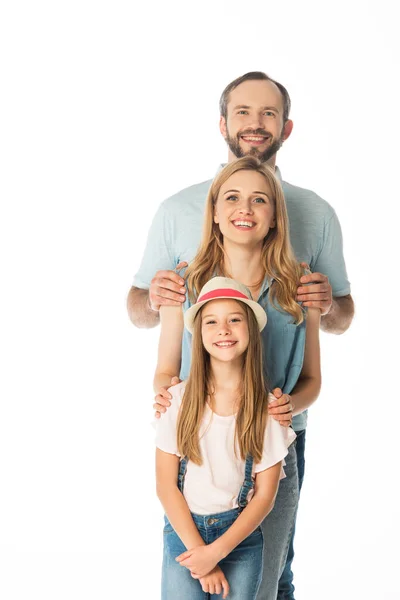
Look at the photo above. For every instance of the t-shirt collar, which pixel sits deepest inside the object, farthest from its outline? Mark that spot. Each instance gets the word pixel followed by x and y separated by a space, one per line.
pixel 277 171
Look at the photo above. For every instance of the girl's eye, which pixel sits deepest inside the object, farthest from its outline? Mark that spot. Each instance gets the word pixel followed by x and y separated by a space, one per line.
pixel 235 320
pixel 210 322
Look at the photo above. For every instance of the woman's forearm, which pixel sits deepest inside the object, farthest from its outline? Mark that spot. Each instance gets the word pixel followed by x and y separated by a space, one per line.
pixel 305 393
pixel 179 516
pixel 163 380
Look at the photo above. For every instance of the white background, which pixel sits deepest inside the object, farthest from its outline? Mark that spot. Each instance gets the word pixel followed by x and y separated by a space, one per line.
pixel 107 108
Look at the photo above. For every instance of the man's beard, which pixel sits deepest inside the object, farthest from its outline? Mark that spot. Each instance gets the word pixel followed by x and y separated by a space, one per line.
pixel 237 150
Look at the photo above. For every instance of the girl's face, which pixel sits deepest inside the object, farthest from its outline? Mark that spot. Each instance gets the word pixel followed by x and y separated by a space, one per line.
pixel 245 209
pixel 224 329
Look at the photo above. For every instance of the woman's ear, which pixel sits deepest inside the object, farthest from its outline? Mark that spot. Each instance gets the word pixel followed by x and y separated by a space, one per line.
pixel 216 220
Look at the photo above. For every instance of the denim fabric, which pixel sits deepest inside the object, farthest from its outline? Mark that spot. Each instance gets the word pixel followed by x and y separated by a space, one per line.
pixel 277 529
pixel 242 567
pixel 286 587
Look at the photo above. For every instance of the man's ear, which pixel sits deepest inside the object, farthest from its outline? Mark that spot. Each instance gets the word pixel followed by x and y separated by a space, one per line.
pixel 222 126
pixel 288 128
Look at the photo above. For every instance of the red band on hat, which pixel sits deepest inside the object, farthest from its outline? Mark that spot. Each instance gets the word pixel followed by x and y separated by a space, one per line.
pixel 230 293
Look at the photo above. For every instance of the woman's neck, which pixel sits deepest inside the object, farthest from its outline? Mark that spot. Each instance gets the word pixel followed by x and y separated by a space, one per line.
pixel 244 264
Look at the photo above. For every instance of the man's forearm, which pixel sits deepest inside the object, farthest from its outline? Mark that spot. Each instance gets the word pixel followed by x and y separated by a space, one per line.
pixel 340 316
pixel 139 309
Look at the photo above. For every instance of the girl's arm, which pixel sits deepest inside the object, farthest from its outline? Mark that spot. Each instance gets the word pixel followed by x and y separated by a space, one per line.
pixel 175 506
pixel 169 346
pixel 307 389
pixel 266 488
pixel 200 560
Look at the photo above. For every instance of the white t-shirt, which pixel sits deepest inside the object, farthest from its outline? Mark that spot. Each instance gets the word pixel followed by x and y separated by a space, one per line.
pixel 214 486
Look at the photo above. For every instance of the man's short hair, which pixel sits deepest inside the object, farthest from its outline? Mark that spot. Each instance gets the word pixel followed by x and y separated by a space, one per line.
pixel 254 76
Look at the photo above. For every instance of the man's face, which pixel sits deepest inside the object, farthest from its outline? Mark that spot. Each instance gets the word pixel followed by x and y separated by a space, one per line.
pixel 254 124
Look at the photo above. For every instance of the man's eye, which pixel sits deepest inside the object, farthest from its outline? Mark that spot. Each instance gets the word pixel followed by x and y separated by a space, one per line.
pixel 268 113
pixel 243 112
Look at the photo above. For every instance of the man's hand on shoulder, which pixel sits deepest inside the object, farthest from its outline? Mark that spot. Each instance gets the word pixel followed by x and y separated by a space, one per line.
pixel 167 289
pixel 315 291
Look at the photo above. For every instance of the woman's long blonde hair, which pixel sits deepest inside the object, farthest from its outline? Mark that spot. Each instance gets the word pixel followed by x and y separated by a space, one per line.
pixel 278 259
pixel 251 417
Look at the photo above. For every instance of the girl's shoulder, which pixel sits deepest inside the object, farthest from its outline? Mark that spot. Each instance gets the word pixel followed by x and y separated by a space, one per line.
pixel 177 392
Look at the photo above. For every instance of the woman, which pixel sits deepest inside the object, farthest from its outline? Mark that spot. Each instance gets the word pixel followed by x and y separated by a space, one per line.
pixel 246 237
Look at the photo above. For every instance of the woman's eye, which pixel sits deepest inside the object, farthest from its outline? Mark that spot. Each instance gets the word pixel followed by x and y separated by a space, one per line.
pixel 232 198
pixel 259 200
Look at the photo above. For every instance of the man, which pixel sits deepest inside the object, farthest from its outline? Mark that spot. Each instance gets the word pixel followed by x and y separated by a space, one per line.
pixel 254 120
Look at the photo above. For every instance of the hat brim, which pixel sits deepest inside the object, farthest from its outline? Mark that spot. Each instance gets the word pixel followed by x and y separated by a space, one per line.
pixel 258 311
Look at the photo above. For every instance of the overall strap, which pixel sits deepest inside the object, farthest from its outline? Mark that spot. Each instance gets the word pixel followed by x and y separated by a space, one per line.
pixel 182 473
pixel 248 483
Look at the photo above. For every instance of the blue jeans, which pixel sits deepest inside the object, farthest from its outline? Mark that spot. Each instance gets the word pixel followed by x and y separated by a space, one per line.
pixel 286 587
pixel 277 528
pixel 242 567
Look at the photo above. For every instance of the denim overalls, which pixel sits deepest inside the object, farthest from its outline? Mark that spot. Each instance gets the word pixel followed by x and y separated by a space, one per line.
pixel 242 567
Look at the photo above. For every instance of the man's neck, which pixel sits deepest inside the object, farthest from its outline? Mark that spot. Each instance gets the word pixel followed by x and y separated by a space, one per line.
pixel 270 162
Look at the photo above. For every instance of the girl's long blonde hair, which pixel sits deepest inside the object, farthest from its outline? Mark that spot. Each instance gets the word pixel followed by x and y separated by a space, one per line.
pixel 277 258
pixel 251 417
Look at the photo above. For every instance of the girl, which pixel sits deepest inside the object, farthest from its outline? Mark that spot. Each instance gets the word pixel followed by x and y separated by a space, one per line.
pixel 246 237
pixel 218 426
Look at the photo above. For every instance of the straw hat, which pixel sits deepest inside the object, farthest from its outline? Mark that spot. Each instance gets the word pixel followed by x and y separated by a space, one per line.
pixel 223 287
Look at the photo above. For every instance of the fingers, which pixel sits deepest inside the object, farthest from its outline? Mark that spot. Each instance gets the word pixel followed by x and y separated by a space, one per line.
pixel 283 400
pixel 324 297
pixel 286 409
pixel 175 381
pixel 225 586
pixel 277 392
pixel 183 556
pixel 166 288
pixel 314 278
pixel 181 265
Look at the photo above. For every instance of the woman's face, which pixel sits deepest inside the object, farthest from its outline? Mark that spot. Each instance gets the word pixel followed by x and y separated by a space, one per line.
pixel 224 329
pixel 245 210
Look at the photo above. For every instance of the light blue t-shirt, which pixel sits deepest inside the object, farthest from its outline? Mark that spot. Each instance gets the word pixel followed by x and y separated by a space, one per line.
pixel 316 238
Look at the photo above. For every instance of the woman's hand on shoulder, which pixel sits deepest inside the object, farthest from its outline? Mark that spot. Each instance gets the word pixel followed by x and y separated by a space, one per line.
pixel 281 408
pixel 215 582
pixel 162 399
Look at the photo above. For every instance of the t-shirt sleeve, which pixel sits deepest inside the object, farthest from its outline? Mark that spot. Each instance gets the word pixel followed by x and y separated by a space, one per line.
pixel 158 254
pixel 165 426
pixel 330 260
pixel 277 440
